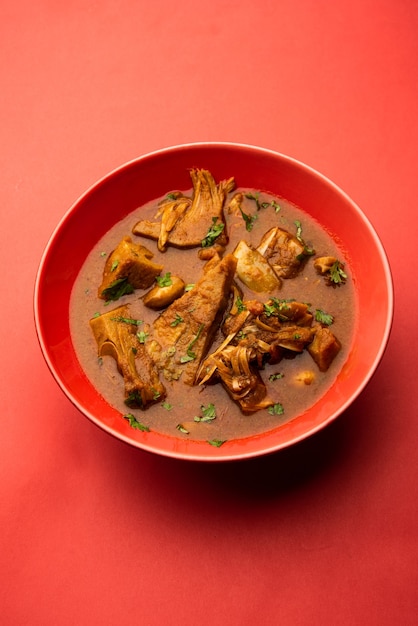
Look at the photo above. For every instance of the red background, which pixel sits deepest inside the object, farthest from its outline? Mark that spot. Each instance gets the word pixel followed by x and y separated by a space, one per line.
pixel 93 531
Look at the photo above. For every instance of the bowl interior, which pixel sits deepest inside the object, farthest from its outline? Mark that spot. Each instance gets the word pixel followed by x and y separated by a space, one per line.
pixel 149 177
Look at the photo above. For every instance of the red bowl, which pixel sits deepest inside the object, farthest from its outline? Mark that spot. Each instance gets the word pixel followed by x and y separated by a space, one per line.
pixel 149 177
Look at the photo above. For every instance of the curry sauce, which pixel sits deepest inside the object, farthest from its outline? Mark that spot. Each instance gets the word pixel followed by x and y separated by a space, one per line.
pixel 257 329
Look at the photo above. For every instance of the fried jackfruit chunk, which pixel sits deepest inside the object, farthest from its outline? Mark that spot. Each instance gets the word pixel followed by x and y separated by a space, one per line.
pixel 185 330
pixel 128 267
pixel 185 222
pixel 116 336
pixel 284 252
pixel 254 271
pixel 332 270
pixel 232 364
pixel 324 348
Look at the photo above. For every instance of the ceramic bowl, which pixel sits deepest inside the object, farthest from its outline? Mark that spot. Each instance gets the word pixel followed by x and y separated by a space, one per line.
pixel 149 177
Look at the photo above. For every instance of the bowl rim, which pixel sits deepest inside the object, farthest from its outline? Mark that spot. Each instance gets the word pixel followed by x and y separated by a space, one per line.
pixel 217 145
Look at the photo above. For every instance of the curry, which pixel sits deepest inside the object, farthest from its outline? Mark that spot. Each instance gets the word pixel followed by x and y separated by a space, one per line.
pixel 214 313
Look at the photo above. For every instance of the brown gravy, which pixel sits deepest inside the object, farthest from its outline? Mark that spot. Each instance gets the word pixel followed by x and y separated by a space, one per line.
pixel 183 402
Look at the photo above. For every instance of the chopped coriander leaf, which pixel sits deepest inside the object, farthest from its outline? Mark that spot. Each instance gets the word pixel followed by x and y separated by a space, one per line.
pixel 276 409
pixel 282 304
pixel 103 253
pixel 276 306
pixel 117 289
pixel 167 406
pixel 277 376
pixel 172 196
pixel 337 274
pixel 177 320
pixel 182 429
pixel 127 320
pixel 269 309
pixel 97 314
pixel 189 287
pixel 134 400
pixel 240 305
pixel 299 230
pixel 213 233
pixel 114 265
pixel 217 443
pixel 273 204
pixel 135 423
pixel 142 336
pixel 255 197
pixel 323 318
pixel 190 355
pixel 208 413
pixel 307 251
pixel 249 220
pixel 165 280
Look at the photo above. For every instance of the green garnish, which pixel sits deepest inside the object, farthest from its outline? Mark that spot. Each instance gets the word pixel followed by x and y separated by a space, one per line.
pixel 337 274
pixel 127 320
pixel 135 423
pixel 190 355
pixel 189 287
pixel 114 265
pixel 208 413
pixel 142 336
pixel 276 409
pixel 299 231
pixel 167 406
pixel 164 281
pixel 186 358
pixel 103 253
pixel 307 251
pixel 276 306
pixel 240 305
pixel 178 320
pixel 97 314
pixel 120 287
pixel 277 376
pixel 172 196
pixel 183 430
pixel 217 443
pixel 323 318
pixel 255 197
pixel 269 309
pixel 213 233
pixel 262 205
pixel 134 400
pixel 248 219
pixel 273 203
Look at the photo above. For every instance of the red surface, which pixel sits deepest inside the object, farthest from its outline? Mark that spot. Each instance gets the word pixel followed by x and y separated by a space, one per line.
pixel 96 532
